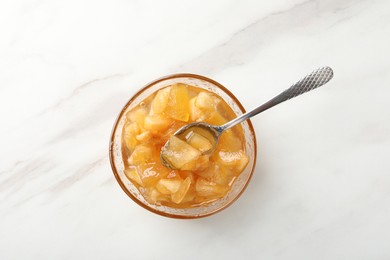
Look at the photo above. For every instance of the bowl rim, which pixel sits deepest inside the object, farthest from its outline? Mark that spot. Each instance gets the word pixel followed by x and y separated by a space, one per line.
pixel 139 92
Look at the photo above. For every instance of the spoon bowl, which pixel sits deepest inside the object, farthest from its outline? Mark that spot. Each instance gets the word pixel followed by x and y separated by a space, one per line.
pixel 211 132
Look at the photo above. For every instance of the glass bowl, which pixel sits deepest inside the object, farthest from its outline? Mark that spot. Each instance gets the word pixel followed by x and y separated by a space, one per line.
pixel 118 166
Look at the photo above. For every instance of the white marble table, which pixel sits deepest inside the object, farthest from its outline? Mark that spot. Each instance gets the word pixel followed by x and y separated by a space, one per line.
pixel 321 189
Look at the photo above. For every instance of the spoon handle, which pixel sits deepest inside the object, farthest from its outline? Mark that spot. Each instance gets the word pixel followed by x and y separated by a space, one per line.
pixel 313 80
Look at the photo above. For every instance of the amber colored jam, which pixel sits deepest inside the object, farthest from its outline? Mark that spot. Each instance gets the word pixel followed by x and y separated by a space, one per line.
pixel 199 178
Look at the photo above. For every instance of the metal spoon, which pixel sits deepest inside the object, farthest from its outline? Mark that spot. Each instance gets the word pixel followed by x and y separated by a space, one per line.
pixel 313 80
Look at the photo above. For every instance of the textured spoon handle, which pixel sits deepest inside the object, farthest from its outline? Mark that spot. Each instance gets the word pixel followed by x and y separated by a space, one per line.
pixel 314 80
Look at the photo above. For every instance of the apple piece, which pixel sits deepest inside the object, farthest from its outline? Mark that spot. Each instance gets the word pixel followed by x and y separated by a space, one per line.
pixel 243 162
pixel 132 129
pixel 168 186
pixel 206 188
pixel 206 174
pixel 206 101
pixel 199 164
pixel 137 115
pixel 198 141
pixel 144 136
pixel 209 172
pixel 132 175
pixel 141 154
pixel 178 152
pixel 196 113
pixel 151 173
pixel 233 160
pixel 129 135
pixel 157 123
pixel 156 197
pixel 222 175
pixel 131 142
pixel 178 103
pixel 164 136
pixel 160 101
pixel 178 196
